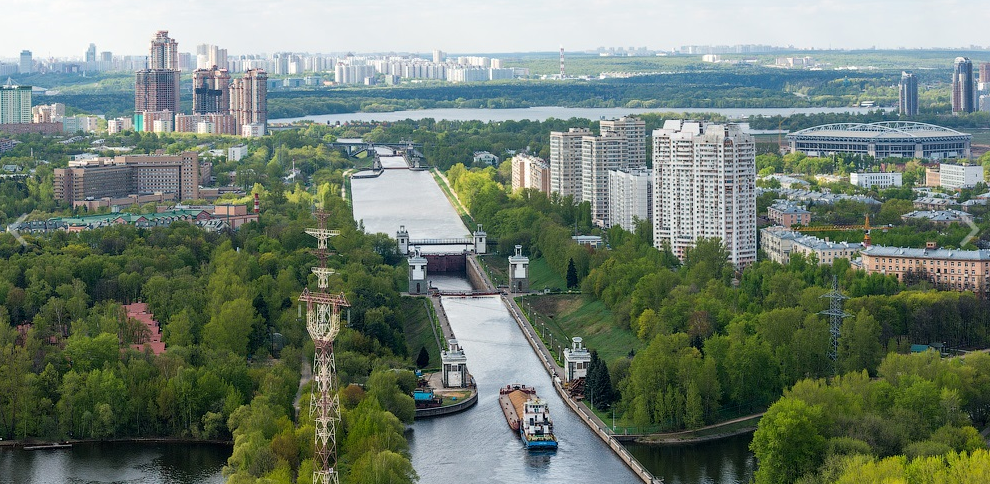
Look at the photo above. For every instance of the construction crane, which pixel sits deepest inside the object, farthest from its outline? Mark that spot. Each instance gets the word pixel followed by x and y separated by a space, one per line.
pixel 839 228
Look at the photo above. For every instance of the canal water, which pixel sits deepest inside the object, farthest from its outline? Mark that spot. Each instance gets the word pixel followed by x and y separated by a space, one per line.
pixel 543 113
pixel 116 463
pixel 477 445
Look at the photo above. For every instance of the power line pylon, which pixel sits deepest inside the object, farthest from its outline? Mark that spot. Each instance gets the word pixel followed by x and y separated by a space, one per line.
pixel 323 324
pixel 835 315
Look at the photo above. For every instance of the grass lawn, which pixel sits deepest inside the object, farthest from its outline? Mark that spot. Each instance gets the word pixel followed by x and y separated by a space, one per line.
pixel 541 275
pixel 417 329
pixel 568 315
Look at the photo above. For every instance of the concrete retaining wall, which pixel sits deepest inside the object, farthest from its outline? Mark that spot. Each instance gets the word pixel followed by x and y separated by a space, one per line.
pixel 474 275
pixel 553 369
pixel 449 409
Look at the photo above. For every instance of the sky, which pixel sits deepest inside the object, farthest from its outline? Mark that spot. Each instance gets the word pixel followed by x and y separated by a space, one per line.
pixel 65 28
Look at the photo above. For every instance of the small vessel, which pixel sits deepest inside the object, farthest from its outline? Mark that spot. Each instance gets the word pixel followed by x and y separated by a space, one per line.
pixel 528 414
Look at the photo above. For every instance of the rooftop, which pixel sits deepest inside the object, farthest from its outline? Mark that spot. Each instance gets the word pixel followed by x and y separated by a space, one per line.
pixel 907 252
pixel 881 130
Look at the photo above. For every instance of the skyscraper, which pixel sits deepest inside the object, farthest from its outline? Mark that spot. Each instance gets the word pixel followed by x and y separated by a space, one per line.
pixel 963 92
pixel 15 104
pixel 26 66
pixel 91 54
pixel 249 100
pixel 211 91
pixel 985 72
pixel 907 104
pixel 565 162
pixel 157 87
pixel 705 186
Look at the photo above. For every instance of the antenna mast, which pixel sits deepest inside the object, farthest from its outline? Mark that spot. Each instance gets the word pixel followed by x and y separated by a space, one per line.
pixel 323 324
pixel 835 315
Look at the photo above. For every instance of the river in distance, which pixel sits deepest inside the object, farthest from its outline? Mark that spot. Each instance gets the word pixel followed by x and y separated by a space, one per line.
pixel 477 445
pixel 545 112
pixel 116 463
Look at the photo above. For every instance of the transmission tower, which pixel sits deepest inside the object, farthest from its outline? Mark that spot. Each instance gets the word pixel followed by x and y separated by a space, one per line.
pixel 835 315
pixel 323 324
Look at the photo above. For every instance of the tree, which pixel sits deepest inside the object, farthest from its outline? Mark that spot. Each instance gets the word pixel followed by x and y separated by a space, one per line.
pixel 231 328
pixel 572 277
pixel 598 383
pixel 788 442
pixel 423 360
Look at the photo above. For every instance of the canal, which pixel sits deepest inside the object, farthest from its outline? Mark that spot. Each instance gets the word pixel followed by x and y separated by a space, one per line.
pixel 477 445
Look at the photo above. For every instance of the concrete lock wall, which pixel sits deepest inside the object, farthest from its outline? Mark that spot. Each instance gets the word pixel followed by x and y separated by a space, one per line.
pixel 443 263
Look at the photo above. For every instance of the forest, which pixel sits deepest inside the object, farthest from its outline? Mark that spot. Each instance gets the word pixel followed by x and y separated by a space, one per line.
pixel 226 305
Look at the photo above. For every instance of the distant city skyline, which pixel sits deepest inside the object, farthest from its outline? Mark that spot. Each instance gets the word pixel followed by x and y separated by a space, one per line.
pixel 496 26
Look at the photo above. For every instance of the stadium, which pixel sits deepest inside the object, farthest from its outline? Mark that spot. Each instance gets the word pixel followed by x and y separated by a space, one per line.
pixel 902 139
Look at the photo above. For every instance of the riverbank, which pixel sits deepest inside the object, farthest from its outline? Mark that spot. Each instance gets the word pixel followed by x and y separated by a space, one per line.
pixel 721 430
pixel 129 440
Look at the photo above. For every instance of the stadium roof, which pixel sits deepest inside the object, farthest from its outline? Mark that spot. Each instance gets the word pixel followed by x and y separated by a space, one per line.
pixel 881 130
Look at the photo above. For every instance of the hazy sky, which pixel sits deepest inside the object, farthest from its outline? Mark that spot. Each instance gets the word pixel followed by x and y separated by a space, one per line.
pixel 66 27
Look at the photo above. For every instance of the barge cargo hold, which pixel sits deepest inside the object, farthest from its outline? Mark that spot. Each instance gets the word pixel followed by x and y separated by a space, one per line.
pixel 528 414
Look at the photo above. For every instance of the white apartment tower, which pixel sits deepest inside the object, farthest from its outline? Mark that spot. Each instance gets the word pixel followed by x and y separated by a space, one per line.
pixel 599 155
pixel 565 161
pixel 704 180
pixel 630 197
pixel 634 131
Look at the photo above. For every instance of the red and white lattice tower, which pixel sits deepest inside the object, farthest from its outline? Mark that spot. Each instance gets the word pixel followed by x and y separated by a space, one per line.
pixel 323 324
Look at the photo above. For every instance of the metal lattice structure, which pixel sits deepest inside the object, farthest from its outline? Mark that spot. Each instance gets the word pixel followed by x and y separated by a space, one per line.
pixel 835 315
pixel 323 324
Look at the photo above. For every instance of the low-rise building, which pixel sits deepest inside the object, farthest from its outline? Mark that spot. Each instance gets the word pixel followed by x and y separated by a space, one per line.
pixel 960 270
pixel 879 180
pixel 937 216
pixel 932 203
pixel 960 176
pixel 485 158
pixel 788 214
pixel 779 244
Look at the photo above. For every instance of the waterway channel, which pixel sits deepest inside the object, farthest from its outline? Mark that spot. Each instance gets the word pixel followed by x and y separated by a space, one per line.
pixel 477 445
pixel 543 113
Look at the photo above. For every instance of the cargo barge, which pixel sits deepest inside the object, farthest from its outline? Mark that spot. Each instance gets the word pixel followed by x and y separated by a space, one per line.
pixel 528 414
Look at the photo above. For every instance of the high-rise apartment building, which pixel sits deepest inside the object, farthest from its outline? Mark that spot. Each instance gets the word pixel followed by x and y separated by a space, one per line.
pixel 530 172
pixel 164 52
pixel 249 101
pixel 634 132
pixel 599 155
pixel 630 197
pixel 26 65
pixel 91 54
pixel 704 179
pixel 156 90
pixel 985 72
pixel 565 162
pixel 907 104
pixel 208 56
pixel 157 87
pixel 15 104
pixel 211 91
pixel 963 88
